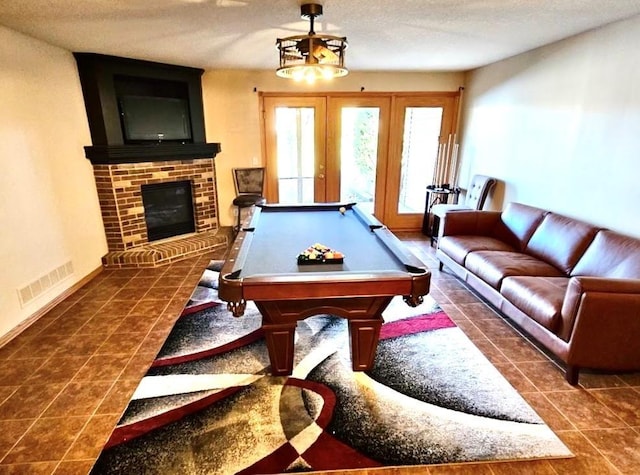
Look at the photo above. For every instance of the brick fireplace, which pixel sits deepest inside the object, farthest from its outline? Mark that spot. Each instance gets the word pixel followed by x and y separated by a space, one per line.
pixel 119 190
pixel 147 128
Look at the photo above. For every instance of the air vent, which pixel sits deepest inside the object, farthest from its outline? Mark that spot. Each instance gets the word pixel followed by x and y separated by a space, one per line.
pixel 44 283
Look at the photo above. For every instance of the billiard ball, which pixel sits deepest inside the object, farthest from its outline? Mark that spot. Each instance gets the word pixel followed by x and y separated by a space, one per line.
pixel 342 209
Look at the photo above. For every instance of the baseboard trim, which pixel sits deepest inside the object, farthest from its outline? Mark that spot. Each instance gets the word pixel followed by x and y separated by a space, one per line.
pixel 7 337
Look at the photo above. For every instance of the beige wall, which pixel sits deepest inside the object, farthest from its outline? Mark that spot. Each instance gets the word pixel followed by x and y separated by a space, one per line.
pixel 49 211
pixel 560 127
pixel 232 118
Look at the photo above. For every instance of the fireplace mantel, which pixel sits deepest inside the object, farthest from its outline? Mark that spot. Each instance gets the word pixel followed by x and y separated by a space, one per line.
pixel 106 80
pixel 110 154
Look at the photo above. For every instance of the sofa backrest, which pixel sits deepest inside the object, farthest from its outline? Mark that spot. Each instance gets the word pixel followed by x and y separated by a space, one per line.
pixel 561 241
pixel 517 224
pixel 610 255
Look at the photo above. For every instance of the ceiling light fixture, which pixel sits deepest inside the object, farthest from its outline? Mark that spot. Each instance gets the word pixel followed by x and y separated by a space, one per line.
pixel 313 56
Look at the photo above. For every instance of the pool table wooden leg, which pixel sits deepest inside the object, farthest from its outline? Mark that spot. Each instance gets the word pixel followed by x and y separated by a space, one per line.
pixel 364 342
pixel 280 317
pixel 280 342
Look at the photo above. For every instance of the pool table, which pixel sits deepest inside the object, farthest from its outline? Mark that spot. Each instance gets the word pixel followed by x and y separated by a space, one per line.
pixel 262 266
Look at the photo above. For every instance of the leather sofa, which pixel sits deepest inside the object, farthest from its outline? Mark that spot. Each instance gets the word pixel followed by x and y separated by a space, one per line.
pixel 572 286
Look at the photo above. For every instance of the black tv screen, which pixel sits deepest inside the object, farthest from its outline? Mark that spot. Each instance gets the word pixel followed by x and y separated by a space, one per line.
pixel 150 118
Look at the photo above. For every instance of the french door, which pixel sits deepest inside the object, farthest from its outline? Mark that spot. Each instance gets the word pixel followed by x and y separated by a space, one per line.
pixel 357 145
pixel 378 150
pixel 295 148
pixel 421 126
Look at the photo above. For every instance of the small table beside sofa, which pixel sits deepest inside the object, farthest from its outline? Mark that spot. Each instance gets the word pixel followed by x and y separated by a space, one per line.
pixel 572 286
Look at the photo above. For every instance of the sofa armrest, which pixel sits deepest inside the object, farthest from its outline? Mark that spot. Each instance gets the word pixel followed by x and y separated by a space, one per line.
pixel 472 222
pixel 601 322
pixel 605 284
pixel 579 286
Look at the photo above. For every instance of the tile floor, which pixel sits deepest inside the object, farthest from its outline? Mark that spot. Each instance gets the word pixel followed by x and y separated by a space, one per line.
pixel 66 379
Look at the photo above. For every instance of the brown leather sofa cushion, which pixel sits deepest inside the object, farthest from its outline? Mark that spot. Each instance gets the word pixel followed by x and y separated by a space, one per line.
pixel 493 266
pixel 469 222
pixel 610 255
pixel 540 298
pixel 561 241
pixel 518 222
pixel 457 247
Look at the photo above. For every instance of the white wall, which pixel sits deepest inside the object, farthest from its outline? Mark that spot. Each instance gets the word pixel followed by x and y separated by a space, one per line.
pixel 49 211
pixel 560 127
pixel 232 116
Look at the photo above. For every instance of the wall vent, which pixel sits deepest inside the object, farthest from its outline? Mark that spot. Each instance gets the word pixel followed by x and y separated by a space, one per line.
pixel 44 283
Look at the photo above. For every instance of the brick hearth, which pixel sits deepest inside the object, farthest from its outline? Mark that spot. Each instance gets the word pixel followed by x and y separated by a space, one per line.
pixel 119 192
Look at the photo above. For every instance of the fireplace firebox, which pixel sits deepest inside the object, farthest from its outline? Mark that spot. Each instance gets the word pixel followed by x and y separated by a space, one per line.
pixel 168 209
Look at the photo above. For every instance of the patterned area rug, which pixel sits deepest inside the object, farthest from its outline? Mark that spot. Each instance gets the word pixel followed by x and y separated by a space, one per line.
pixel 208 404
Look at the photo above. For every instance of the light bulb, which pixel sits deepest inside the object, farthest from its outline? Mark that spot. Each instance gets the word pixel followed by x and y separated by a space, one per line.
pixel 310 76
pixel 327 73
pixel 298 74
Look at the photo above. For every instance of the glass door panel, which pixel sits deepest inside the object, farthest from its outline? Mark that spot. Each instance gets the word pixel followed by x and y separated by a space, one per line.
pixel 357 146
pixel 294 138
pixel 359 155
pixel 419 127
pixel 296 154
pixel 419 153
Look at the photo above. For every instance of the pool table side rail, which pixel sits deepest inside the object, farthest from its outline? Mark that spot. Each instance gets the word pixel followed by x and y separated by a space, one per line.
pixel 406 257
pixel 233 288
pixel 276 207
pixel 251 222
pixel 360 284
pixel 318 285
pixel 367 219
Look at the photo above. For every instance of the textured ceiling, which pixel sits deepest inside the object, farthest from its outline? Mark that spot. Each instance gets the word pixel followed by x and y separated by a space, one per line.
pixel 409 35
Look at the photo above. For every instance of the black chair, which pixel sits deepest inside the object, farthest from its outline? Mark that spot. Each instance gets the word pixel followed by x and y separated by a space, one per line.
pixel 249 189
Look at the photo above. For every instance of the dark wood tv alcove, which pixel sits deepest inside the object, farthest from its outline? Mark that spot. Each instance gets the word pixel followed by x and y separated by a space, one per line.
pixel 105 79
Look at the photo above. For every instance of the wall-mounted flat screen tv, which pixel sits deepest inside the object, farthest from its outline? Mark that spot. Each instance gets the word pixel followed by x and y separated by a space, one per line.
pixel 155 119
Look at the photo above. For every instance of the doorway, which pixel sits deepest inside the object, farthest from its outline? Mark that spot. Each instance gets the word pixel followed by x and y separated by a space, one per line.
pixel 376 149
